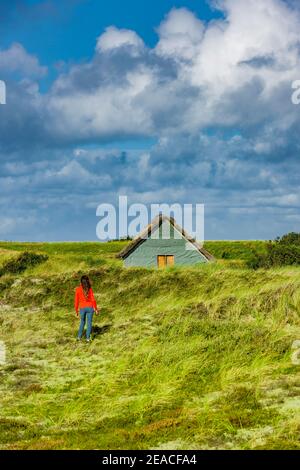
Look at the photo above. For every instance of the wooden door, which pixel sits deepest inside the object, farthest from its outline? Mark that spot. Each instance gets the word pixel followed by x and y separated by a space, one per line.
pixel 161 261
pixel 165 260
pixel 170 260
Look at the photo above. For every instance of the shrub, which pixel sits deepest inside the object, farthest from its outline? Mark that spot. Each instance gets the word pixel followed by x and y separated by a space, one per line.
pixel 257 261
pixel 279 253
pixel 289 239
pixel 22 262
pixel 283 254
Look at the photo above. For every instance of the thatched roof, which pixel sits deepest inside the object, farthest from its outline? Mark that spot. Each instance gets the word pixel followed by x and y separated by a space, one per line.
pixel 155 224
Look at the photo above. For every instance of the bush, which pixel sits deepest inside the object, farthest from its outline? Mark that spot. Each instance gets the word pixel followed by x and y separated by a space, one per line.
pixel 283 255
pixel 284 251
pixel 289 239
pixel 22 262
pixel 256 261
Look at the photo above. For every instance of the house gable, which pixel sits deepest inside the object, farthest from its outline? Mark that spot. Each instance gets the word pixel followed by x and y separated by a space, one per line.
pixel 163 239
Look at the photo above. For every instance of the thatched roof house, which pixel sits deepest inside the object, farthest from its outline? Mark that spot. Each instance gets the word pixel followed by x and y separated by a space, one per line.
pixel 164 243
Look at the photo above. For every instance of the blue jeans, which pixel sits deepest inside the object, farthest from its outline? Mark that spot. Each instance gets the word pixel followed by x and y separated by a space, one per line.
pixel 86 314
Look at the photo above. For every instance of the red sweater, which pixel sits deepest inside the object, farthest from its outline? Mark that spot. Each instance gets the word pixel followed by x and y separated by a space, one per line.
pixel 81 301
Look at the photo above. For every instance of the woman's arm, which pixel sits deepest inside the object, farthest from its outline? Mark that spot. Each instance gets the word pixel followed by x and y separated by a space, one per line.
pixel 94 301
pixel 76 302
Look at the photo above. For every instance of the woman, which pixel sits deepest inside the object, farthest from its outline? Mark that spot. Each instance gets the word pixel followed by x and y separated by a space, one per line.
pixel 85 303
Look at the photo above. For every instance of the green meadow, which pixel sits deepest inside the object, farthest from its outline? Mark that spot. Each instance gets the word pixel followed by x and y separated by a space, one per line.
pixel 182 358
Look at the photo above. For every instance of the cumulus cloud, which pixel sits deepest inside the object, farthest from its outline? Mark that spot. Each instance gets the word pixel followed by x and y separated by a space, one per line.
pixel 215 96
pixel 114 38
pixel 180 35
pixel 235 71
pixel 230 71
pixel 265 32
pixel 17 59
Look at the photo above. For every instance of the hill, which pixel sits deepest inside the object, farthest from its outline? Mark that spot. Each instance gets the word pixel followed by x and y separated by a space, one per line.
pixel 196 358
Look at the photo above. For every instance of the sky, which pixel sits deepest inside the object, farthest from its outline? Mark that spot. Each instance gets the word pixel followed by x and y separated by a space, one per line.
pixel 173 101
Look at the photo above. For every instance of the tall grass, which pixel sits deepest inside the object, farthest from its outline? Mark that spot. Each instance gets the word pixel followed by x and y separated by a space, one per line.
pixel 195 358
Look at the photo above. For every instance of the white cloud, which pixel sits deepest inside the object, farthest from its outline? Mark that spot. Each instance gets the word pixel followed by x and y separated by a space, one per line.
pixel 104 112
pixel 17 59
pixel 74 172
pixel 254 30
pixel 180 34
pixel 113 38
pixel 215 95
pixel 234 70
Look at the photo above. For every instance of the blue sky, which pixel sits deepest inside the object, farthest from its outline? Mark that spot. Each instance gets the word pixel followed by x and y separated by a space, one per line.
pixel 163 101
pixel 69 28
pixel 65 31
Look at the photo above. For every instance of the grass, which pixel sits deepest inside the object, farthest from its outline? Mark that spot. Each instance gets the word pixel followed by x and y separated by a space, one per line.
pixel 194 358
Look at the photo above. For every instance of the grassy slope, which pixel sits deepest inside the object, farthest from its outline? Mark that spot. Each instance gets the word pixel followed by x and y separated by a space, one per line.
pixel 182 358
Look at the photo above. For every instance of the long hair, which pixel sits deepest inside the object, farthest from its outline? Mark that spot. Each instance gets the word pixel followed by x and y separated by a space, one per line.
pixel 86 285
